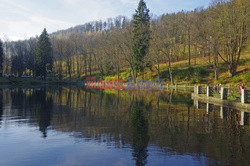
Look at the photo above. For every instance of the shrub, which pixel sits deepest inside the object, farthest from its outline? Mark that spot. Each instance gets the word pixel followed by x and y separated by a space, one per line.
pixel 211 75
pixel 199 71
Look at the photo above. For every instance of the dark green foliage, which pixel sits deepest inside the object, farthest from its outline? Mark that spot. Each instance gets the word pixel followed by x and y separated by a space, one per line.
pixel 17 63
pixel 189 72
pixel 43 59
pixel 17 60
pixel 141 35
pixel 1 58
pixel 22 56
pixel 195 74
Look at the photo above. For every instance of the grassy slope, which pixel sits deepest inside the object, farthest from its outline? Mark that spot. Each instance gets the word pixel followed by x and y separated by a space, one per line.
pixel 200 73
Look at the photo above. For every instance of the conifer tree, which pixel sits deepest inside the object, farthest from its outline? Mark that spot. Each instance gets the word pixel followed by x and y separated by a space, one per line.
pixel 141 35
pixel 44 58
pixel 1 58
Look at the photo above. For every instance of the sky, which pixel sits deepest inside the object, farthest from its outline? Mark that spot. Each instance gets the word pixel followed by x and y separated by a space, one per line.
pixel 22 19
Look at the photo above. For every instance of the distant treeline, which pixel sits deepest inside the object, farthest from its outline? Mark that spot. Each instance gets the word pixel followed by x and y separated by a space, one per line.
pixel 106 47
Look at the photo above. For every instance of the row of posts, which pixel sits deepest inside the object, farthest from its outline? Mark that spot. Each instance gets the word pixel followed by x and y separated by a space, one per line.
pixel 223 93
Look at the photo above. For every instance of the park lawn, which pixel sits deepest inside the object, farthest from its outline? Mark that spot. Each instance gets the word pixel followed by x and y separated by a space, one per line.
pixel 199 73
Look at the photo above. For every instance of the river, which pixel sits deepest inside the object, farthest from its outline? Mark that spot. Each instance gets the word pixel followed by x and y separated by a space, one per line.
pixel 72 126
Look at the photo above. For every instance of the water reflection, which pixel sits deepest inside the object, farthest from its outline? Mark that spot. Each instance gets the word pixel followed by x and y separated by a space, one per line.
pixel 159 123
pixel 242 117
pixel 140 133
pixel 1 105
pixel 43 108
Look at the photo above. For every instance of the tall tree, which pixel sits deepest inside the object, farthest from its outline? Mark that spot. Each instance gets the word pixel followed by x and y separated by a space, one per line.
pixel 43 59
pixel 232 31
pixel 18 50
pixel 1 58
pixel 141 36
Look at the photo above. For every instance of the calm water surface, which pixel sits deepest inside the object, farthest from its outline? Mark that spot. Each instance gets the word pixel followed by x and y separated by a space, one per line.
pixel 70 126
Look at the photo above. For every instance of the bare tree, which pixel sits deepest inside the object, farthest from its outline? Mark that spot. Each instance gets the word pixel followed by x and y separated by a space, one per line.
pixel 232 31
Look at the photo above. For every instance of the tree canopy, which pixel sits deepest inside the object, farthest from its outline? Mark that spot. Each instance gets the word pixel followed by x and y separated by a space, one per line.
pixel 1 58
pixel 141 35
pixel 43 58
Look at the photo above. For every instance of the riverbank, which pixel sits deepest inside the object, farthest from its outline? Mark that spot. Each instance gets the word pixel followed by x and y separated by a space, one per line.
pixel 4 81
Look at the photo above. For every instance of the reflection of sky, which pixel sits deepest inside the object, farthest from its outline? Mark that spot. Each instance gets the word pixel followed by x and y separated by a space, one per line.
pixel 24 145
pixel 20 19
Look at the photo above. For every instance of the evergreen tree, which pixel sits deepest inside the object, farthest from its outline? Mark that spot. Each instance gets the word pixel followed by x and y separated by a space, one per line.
pixel 141 35
pixel 1 58
pixel 43 59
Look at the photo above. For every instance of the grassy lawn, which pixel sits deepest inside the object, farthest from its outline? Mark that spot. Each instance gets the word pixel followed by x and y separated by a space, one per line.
pixel 200 73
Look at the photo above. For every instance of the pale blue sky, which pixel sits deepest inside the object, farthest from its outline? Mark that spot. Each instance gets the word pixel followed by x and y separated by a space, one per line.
pixel 21 19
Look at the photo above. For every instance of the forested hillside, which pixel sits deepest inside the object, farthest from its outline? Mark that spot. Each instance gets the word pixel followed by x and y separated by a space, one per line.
pixel 217 34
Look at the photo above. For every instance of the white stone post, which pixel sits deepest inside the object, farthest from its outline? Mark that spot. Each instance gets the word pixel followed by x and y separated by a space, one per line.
pixel 208 91
pixel 197 90
pixel 243 96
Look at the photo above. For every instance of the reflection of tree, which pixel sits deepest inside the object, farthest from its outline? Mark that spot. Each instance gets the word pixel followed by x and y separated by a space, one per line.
pixel 1 104
pixel 43 108
pixel 16 95
pixel 140 134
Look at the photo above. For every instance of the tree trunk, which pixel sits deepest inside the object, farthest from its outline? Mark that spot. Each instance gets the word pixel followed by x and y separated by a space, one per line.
pixel 85 67
pixel 216 73
pixel 143 73
pixel 170 71
pixel 189 48
pixel 171 75
pixel 90 70
pixel 195 54
pixel 133 72
pixel 90 65
pixel 60 70
pixel 118 72
pixel 78 67
pixel 158 70
pixel 232 70
pixel 69 72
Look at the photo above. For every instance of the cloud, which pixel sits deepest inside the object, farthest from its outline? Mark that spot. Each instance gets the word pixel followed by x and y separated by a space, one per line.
pixel 21 19
pixel 130 2
pixel 20 22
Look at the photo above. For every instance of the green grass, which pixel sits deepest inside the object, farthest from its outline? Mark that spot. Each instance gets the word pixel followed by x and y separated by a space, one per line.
pixel 234 97
pixel 4 80
pixel 217 95
pixel 200 73
pixel 244 78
